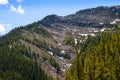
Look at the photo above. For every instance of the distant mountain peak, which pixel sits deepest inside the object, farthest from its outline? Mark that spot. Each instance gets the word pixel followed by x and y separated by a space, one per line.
pixel 51 19
pixel 85 18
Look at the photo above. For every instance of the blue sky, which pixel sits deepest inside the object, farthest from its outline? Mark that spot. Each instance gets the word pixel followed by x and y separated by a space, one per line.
pixel 14 13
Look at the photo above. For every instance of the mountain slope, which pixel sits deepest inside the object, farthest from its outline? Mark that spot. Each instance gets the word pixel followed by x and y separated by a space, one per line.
pixel 16 61
pixel 95 15
pixel 51 43
pixel 98 60
pixel 38 45
pixel 85 18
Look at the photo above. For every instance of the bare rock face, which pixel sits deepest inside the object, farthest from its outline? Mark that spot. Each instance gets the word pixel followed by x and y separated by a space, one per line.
pixel 85 18
pixel 54 38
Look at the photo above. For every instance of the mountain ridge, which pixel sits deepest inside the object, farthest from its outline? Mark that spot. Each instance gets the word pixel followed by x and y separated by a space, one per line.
pixel 52 41
pixel 86 17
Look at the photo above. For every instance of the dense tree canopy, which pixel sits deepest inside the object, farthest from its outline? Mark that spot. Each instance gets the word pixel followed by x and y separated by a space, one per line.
pixel 15 66
pixel 99 58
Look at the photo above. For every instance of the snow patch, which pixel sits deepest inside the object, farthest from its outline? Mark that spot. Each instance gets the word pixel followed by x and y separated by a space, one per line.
pixel 75 41
pixel 103 29
pixel 83 34
pixel 61 58
pixel 59 44
pixel 101 23
pixel 51 53
pixel 63 51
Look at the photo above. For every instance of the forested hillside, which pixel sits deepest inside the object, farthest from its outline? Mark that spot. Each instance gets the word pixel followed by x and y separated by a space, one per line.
pixel 86 43
pixel 99 58
pixel 14 65
pixel 17 61
pixel 30 53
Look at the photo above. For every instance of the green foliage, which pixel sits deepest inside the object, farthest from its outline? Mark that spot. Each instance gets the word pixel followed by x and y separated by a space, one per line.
pixel 69 41
pixel 10 38
pixel 15 66
pixel 31 26
pixel 99 58
pixel 55 64
pixel 42 31
pixel 45 46
pixel 57 78
pixel 37 28
pixel 90 42
pixel 66 56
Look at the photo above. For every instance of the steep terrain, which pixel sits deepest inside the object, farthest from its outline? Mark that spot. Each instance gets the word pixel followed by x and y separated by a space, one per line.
pixel 19 57
pixel 99 58
pixel 51 43
pixel 38 45
pixel 84 18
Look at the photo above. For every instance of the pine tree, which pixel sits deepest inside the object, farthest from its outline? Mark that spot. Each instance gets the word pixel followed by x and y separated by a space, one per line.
pixel 99 59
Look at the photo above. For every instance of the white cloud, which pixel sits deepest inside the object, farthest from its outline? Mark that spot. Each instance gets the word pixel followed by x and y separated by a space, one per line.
pixel 5 28
pixel 12 8
pixel 19 10
pixel 19 1
pixel 2 29
pixel 3 2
